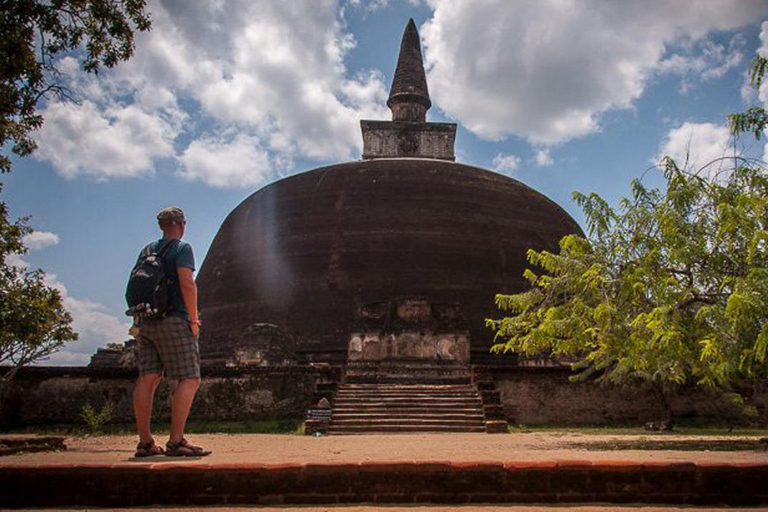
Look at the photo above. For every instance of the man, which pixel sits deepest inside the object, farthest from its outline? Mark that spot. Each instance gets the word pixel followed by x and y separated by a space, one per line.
pixel 169 344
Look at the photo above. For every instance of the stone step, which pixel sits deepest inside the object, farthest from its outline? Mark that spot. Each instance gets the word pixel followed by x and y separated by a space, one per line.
pixel 407 410
pixel 405 386
pixel 377 429
pixel 416 370
pixel 493 477
pixel 403 421
pixel 412 394
pixel 395 379
pixel 429 415
pixel 413 364
pixel 393 392
pixel 411 398
pixel 399 404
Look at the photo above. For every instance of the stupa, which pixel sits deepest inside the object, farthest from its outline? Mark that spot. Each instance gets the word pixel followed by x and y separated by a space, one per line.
pixel 393 257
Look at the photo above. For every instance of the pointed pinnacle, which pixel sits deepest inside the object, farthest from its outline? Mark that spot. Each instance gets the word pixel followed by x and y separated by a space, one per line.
pixel 409 84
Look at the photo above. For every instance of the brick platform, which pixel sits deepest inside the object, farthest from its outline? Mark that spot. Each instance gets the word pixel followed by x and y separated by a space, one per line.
pixel 565 481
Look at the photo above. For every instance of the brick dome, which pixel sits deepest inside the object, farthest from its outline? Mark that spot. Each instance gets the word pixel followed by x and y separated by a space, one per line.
pixel 306 252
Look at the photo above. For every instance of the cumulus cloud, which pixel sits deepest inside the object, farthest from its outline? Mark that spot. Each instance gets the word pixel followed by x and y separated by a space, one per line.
pixel 695 145
pixel 506 164
pixel 94 327
pixel 547 70
pixel 115 142
pixel 272 71
pixel 226 162
pixel 16 260
pixel 544 157
pixel 40 239
pixel 704 60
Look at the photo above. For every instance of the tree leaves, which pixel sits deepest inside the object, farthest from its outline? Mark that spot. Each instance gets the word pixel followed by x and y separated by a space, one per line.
pixel 33 320
pixel 670 287
pixel 34 33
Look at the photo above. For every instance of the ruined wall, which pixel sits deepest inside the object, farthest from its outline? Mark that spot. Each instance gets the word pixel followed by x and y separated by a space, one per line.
pixel 41 396
pixel 530 396
pixel 533 396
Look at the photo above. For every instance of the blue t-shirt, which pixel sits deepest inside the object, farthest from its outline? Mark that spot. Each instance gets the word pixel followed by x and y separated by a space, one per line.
pixel 179 256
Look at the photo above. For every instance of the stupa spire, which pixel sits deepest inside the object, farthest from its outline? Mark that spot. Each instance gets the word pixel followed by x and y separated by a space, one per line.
pixel 409 96
pixel 408 134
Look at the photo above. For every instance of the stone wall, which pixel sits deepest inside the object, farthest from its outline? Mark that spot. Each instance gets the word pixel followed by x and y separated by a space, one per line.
pixel 531 396
pixel 40 396
pixel 535 396
pixel 388 139
pixel 427 347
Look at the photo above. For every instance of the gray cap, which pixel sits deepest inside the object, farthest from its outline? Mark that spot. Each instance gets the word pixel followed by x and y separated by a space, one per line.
pixel 171 214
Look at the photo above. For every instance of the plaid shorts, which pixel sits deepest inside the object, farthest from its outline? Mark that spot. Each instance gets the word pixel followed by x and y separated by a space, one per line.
pixel 167 344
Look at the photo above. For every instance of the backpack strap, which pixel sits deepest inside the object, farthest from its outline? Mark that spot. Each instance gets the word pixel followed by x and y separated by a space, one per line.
pixel 161 253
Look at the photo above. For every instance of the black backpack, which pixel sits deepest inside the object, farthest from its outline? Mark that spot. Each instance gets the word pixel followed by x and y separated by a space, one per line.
pixel 148 291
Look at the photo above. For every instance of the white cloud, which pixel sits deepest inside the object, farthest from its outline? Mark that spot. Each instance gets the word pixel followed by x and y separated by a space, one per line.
pixel 94 327
pixel 103 142
pixel 506 164
pixel 40 239
pixel 544 158
pixel 547 70
pixel 704 60
pixel 272 71
pixel 16 260
pixel 226 162
pixel 695 145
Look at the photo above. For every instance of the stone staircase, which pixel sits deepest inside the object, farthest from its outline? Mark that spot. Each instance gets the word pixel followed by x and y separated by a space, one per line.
pixel 415 397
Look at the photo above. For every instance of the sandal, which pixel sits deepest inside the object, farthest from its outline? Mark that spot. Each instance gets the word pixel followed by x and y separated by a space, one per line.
pixel 148 449
pixel 184 449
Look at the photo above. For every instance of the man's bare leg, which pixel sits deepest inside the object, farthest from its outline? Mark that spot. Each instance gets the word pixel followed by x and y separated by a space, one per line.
pixel 183 396
pixel 143 396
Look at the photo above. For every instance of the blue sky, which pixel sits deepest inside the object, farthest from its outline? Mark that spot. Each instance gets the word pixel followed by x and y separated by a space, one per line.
pixel 226 96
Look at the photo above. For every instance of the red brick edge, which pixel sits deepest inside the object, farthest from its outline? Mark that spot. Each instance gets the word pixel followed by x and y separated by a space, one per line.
pixel 175 483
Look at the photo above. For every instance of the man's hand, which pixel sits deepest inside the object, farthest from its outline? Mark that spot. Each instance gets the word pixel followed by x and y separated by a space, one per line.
pixel 189 295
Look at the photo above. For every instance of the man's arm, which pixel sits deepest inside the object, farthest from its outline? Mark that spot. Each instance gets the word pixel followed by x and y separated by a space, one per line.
pixel 189 294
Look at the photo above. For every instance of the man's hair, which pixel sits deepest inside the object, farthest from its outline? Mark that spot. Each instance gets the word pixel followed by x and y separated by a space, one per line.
pixel 170 216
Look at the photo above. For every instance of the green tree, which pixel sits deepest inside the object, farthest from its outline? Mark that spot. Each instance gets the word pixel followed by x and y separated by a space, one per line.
pixel 755 119
pixel 669 288
pixel 33 34
pixel 33 320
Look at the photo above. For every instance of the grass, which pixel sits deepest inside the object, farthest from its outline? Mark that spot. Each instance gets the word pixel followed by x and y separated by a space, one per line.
pixel 295 426
pixel 682 429
pixel 278 426
pixel 653 441
pixel 687 445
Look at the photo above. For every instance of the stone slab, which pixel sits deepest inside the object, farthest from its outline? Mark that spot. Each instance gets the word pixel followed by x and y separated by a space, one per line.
pixel 561 481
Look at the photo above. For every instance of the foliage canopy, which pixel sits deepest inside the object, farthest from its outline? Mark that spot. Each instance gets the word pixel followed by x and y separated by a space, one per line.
pixel 669 288
pixel 33 320
pixel 34 33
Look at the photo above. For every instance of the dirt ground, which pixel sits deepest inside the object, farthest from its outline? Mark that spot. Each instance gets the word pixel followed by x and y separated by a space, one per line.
pixel 432 508
pixel 276 449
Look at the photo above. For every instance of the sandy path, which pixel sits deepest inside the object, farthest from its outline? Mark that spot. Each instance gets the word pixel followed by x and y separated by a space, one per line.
pixel 432 508
pixel 275 449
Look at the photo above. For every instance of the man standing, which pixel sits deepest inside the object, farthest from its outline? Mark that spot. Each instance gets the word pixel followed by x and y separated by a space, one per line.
pixel 169 344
